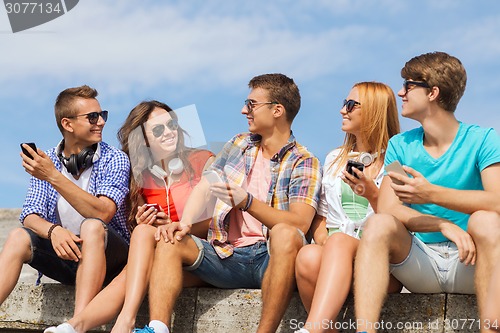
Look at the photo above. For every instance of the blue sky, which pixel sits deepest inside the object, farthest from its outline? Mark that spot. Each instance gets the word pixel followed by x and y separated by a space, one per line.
pixel 205 52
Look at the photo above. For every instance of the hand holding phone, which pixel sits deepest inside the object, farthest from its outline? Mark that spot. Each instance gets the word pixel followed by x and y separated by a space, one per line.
pixel 154 205
pixel 212 177
pixel 354 164
pixel 25 151
pixel 397 168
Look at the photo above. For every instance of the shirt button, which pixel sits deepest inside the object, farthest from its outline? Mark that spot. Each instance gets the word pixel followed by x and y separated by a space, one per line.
pixel 273 169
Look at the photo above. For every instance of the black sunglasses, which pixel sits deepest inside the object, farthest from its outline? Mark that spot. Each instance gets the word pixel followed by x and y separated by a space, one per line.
pixel 158 130
pixel 251 104
pixel 93 117
pixel 408 85
pixel 350 104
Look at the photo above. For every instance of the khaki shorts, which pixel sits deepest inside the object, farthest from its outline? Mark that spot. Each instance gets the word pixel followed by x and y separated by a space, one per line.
pixel 434 268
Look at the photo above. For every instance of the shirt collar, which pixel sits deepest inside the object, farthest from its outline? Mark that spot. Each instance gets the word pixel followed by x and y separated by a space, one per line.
pixel 254 140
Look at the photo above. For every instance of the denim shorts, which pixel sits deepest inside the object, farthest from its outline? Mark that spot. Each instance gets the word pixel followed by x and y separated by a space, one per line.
pixel 434 268
pixel 244 269
pixel 45 260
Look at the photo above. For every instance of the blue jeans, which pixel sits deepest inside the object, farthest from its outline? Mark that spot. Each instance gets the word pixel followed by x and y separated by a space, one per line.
pixel 244 269
pixel 45 260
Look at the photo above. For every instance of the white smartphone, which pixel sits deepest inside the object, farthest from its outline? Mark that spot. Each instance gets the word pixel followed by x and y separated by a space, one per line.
pixel 397 168
pixel 154 205
pixel 212 177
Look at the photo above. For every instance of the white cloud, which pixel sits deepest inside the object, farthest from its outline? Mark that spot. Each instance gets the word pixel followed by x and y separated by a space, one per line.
pixel 124 45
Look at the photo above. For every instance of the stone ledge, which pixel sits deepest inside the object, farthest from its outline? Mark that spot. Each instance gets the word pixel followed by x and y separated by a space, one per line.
pixel 11 214
pixel 32 307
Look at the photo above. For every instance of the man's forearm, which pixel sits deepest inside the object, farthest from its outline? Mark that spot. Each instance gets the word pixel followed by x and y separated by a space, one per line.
pixel 83 202
pixel 414 220
pixel 39 225
pixel 197 203
pixel 466 201
pixel 270 216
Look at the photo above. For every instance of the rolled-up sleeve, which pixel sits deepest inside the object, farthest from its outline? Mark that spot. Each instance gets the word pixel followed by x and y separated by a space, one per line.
pixel 115 179
pixel 305 183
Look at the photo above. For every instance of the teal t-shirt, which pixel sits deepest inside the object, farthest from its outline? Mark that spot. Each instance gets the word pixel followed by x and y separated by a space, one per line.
pixel 473 149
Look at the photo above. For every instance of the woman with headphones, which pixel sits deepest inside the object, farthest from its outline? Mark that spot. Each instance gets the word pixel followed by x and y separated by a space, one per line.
pixel 164 173
pixel 352 176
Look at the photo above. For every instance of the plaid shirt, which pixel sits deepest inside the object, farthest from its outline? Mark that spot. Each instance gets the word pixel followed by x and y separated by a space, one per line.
pixel 109 178
pixel 295 177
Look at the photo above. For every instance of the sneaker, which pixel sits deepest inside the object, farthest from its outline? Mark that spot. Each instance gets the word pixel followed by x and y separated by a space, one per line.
pixel 63 328
pixel 146 329
pixel 158 326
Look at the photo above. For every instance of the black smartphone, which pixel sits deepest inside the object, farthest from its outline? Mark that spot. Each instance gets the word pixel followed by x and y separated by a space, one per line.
pixel 354 164
pixel 32 145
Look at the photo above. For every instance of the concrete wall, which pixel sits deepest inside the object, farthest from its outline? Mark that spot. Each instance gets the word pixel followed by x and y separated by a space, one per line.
pixel 31 308
pixel 214 310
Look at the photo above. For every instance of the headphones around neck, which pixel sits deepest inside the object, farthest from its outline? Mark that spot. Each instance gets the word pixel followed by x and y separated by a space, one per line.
pixel 158 172
pixel 77 163
pixel 367 158
pixel 364 157
pixel 175 166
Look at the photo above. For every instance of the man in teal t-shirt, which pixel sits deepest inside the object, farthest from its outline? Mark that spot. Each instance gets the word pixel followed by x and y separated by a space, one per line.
pixel 441 226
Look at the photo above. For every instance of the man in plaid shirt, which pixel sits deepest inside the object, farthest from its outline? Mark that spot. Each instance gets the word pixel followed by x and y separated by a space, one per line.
pixel 74 213
pixel 262 181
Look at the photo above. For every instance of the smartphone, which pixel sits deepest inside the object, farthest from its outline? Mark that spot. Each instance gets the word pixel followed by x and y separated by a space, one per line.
pixel 354 164
pixel 397 168
pixel 154 205
pixel 212 177
pixel 32 145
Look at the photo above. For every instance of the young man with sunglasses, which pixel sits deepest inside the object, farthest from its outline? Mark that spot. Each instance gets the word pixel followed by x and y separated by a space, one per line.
pixel 266 184
pixel 441 224
pixel 74 214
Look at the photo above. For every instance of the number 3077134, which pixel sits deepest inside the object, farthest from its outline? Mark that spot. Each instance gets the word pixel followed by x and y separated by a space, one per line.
pixel 33 7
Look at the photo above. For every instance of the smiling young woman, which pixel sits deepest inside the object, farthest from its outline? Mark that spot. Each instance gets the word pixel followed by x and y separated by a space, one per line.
pixel 324 269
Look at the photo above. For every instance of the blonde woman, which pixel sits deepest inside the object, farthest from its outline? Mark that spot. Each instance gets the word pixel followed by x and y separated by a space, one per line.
pixel 324 270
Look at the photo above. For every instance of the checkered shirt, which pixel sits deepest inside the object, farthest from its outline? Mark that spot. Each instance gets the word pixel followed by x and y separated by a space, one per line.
pixel 109 178
pixel 295 178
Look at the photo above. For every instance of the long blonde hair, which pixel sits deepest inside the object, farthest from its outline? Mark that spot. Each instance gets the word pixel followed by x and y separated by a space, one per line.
pixel 379 121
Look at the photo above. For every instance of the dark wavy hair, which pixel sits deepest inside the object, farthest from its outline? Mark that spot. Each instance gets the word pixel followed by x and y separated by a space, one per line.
pixel 136 118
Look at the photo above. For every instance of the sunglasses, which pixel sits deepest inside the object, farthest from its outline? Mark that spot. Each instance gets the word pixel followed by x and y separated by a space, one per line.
pixel 93 117
pixel 350 104
pixel 409 85
pixel 158 130
pixel 251 104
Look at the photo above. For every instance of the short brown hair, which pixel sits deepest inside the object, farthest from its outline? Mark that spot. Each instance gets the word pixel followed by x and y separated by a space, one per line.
pixel 282 90
pixel 64 106
pixel 439 69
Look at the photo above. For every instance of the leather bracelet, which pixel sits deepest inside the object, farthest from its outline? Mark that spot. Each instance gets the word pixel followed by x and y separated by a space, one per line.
pixel 52 227
pixel 249 202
